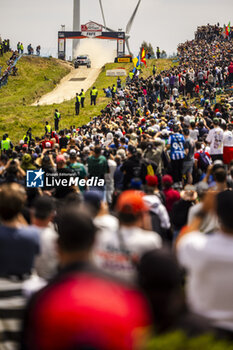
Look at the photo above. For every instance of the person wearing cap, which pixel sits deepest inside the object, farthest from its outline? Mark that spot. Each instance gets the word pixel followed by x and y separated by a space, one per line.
pixel 215 139
pixel 117 251
pixel 27 163
pixel 171 195
pixel 208 260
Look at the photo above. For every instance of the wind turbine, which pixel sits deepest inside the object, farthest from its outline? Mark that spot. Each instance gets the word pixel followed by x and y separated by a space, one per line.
pixel 76 24
pixel 128 26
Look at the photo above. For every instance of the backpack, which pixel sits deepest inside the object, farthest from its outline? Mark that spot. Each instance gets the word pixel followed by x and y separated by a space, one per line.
pixel 148 167
pixel 203 161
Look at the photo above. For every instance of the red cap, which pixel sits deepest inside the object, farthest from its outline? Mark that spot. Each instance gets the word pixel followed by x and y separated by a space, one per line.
pixel 143 120
pixel 131 202
pixel 152 180
pixel 167 179
pixel 60 159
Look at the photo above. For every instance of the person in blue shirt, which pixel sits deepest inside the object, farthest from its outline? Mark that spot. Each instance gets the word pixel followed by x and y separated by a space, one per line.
pixel 176 143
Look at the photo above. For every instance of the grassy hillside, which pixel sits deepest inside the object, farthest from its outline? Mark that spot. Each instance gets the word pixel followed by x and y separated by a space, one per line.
pixel 37 76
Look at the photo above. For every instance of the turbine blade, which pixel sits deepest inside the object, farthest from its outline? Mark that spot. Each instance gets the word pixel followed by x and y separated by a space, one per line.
pixel 102 11
pixel 127 44
pixel 129 25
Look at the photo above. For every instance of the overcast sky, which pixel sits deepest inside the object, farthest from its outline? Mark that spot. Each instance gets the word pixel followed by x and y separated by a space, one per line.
pixel 164 23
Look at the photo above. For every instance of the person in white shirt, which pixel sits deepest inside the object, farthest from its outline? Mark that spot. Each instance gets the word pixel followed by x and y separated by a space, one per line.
pixel 208 260
pixel 109 177
pixel 228 144
pixel 42 214
pixel 215 139
pixel 117 250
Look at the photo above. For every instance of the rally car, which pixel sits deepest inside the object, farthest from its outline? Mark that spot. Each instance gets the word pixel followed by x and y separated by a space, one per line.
pixel 83 60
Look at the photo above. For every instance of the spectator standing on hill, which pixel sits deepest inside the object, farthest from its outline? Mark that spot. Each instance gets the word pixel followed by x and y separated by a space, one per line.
pixel 93 94
pixel 38 50
pixel 77 103
pixel 57 118
pixel 82 95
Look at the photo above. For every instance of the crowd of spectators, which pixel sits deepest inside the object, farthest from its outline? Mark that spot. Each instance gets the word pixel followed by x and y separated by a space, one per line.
pixel 162 164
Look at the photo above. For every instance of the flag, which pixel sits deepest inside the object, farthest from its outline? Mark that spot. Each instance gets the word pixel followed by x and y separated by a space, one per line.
pixel 143 56
pixel 136 61
pixel 229 27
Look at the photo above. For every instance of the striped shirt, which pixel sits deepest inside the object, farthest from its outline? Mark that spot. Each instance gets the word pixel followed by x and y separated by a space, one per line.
pixel 177 141
pixel 13 298
pixel 12 303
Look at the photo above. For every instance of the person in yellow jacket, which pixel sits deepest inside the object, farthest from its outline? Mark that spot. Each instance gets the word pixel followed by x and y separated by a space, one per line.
pixel 131 75
pixel 48 128
pixel 82 94
pixel 6 143
pixel 77 103
pixel 114 90
pixel 93 94
pixel 57 118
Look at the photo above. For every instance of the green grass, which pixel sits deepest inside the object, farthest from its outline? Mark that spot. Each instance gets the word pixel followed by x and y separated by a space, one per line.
pixel 37 76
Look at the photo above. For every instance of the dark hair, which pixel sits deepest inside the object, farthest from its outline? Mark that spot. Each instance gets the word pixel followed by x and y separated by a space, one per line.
pixel 225 209
pixel 220 175
pixel 128 218
pixel 76 230
pixel 43 207
pixel 12 199
pixel 97 150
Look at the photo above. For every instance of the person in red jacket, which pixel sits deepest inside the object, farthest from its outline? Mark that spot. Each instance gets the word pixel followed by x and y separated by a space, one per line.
pixel 171 195
pixel 230 70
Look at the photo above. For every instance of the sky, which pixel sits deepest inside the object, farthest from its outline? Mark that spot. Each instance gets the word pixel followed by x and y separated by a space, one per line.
pixel 163 23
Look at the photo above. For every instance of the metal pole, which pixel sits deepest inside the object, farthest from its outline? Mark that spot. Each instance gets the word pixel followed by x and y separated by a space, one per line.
pixel 76 24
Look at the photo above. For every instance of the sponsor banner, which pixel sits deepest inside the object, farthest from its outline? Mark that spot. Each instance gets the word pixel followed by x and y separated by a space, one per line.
pixel 116 73
pixel 123 59
pixel 91 34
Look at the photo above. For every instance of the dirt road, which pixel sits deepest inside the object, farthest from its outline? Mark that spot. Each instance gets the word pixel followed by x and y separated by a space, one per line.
pixel 77 79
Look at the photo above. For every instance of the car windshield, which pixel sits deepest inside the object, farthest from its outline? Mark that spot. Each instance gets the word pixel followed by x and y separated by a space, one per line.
pixel 81 57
